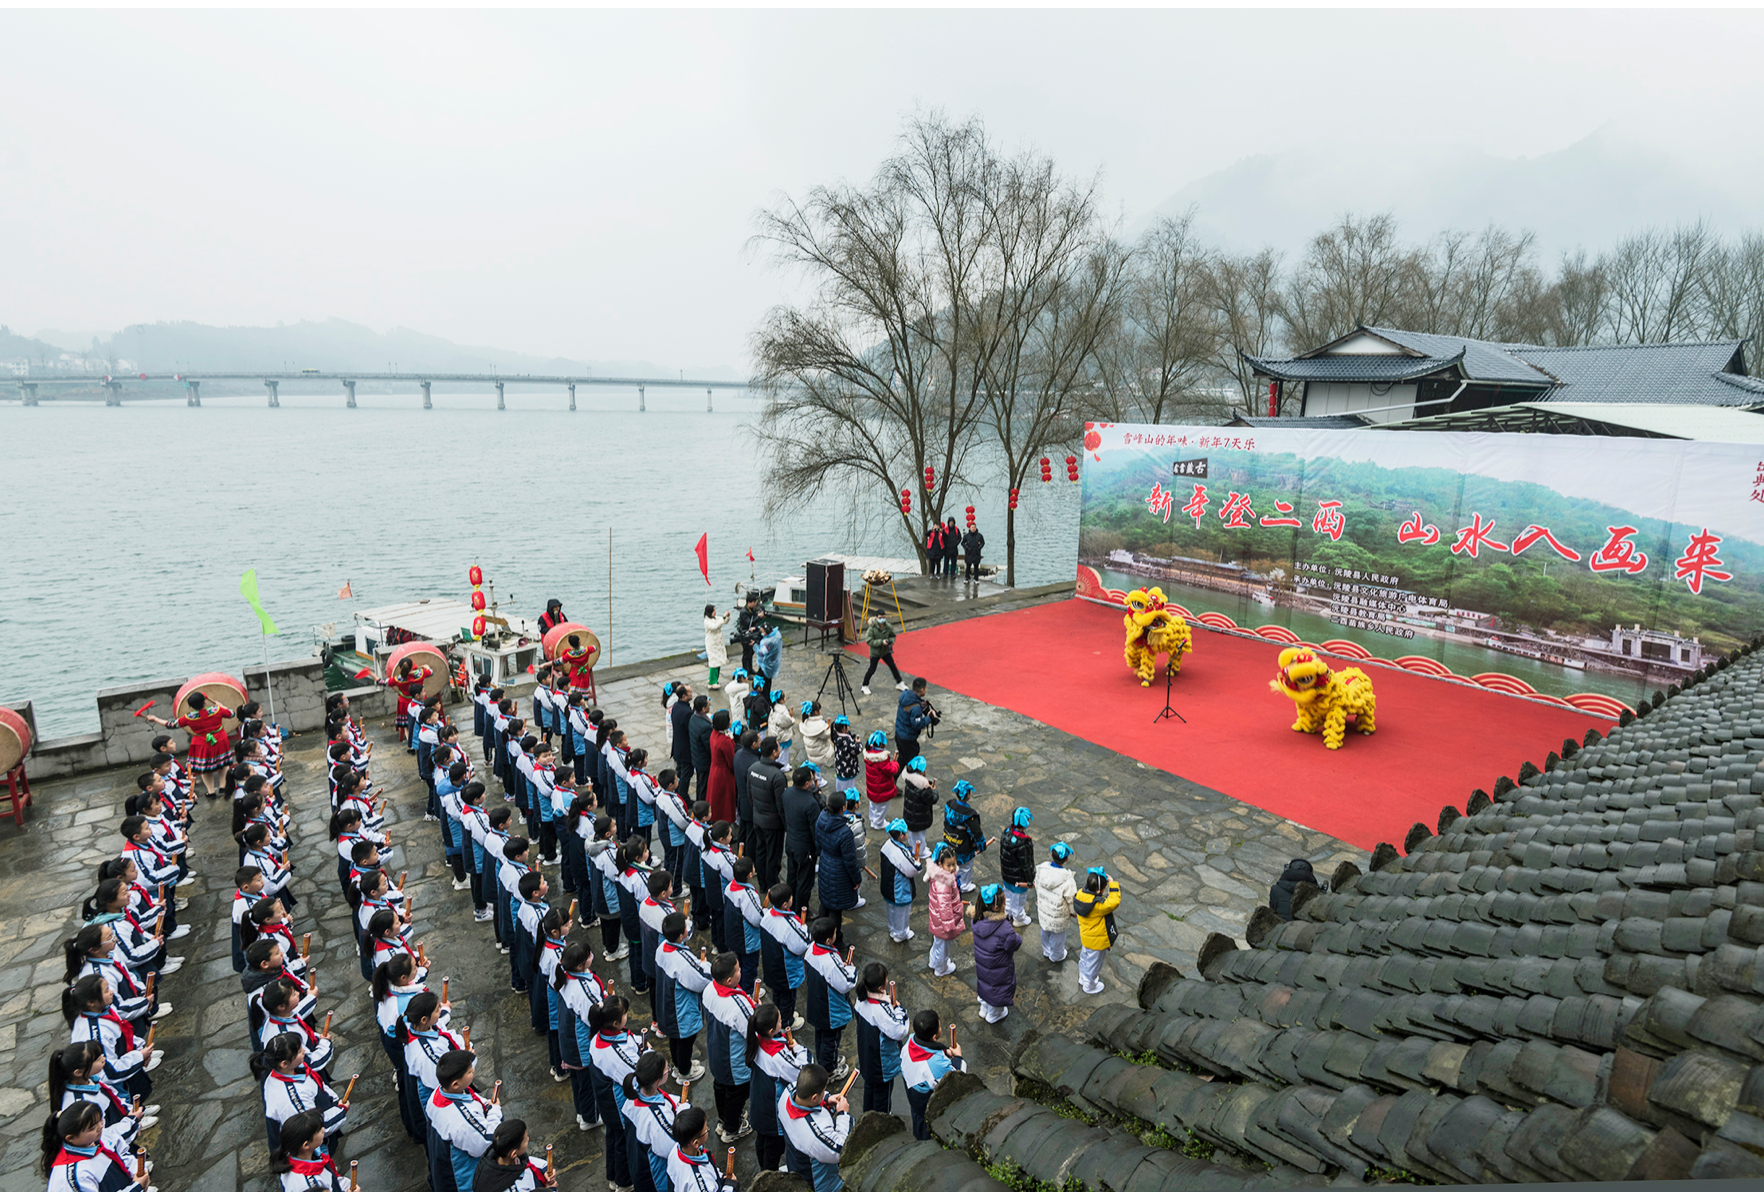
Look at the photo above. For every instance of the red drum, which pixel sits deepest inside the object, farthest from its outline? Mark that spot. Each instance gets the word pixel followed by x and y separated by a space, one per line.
pixel 421 654
pixel 15 740
pixel 220 688
pixel 557 642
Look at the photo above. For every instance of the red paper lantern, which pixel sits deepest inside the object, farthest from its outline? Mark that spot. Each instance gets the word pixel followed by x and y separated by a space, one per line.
pixel 930 478
pixel 475 577
pixel 479 625
pixel 477 601
pixel 906 500
pixel 1013 498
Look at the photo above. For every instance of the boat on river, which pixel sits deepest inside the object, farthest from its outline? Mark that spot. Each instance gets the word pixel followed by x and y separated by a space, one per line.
pixel 508 650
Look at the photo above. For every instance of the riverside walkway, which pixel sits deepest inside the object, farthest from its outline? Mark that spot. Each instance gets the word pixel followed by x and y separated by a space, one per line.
pixel 1190 861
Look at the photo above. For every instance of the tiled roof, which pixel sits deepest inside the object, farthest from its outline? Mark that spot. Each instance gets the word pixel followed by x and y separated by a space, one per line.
pixel 1485 362
pixel 1335 422
pixel 1564 985
pixel 1353 368
pixel 1674 373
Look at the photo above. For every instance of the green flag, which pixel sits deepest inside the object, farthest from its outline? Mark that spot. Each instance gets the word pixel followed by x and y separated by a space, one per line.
pixel 248 589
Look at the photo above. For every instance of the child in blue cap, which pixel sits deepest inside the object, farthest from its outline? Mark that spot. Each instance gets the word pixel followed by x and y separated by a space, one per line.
pixel 897 870
pixel 1016 863
pixel 1055 886
pixel 962 833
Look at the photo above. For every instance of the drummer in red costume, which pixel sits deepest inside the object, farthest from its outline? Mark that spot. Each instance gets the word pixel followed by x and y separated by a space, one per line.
pixel 210 751
pixel 408 682
pixel 576 657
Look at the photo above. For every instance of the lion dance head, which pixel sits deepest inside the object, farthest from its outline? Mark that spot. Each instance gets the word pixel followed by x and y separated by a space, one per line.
pixel 1153 628
pixel 1301 673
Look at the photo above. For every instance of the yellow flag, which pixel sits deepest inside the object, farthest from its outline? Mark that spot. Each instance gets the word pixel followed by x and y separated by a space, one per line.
pixel 248 589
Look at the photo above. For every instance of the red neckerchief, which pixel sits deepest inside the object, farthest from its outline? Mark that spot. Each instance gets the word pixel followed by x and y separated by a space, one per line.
pixel 293 979
pixel 725 991
pixel 68 1155
pixel 301 1166
pixel 158 857
pixel 539 1175
pixel 791 1110
pixel 917 1052
pixel 817 949
pixel 275 929
pixel 122 1027
pixel 771 1045
pixel 300 1021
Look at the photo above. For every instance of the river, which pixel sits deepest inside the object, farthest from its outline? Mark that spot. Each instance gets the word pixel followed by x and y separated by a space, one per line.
pixel 126 529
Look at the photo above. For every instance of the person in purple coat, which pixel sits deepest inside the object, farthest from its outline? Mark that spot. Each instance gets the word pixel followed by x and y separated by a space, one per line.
pixel 996 943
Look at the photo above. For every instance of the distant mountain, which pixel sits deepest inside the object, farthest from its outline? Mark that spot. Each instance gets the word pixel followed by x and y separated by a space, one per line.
pixel 336 345
pixel 1590 194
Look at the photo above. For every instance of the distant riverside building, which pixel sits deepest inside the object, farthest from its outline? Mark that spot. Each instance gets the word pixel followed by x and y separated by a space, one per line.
pixel 1652 646
pixel 1395 378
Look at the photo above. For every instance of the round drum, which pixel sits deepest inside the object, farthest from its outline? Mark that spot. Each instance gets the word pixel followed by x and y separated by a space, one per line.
pixel 421 654
pixel 220 688
pixel 15 740
pixel 557 641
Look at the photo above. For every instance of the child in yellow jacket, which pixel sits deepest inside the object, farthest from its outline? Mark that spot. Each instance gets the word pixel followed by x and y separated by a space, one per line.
pixel 1095 905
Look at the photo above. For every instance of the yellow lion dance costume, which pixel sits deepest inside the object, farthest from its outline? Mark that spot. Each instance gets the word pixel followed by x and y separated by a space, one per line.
pixel 1327 701
pixel 1152 630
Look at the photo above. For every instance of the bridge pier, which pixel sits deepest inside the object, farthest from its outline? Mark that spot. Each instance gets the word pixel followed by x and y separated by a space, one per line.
pixel 270 385
pixel 641 405
pixel 572 397
pixel 29 392
pixel 500 406
pixel 707 400
pixel 192 394
pixel 428 401
pixel 349 386
pixel 114 400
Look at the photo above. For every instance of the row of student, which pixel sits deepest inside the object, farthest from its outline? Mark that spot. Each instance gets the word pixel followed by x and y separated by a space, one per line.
pixel 101 1082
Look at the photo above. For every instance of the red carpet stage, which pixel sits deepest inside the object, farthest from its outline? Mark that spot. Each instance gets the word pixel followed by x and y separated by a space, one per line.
pixel 1436 741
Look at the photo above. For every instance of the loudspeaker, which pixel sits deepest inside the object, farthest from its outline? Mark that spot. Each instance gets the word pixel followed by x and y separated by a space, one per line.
pixel 826 590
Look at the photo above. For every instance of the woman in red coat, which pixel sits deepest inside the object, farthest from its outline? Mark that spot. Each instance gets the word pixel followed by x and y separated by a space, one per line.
pixel 210 751
pixel 720 791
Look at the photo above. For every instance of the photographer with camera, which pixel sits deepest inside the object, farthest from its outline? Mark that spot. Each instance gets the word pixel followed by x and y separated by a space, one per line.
pixel 749 628
pixel 913 716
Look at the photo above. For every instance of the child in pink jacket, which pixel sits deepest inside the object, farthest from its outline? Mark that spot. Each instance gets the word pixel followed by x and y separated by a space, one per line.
pixel 948 913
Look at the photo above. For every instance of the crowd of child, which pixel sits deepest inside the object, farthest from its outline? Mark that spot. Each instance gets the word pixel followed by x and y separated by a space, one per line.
pixel 714 928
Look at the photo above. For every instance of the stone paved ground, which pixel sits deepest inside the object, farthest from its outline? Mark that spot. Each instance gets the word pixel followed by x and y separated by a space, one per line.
pixel 1192 861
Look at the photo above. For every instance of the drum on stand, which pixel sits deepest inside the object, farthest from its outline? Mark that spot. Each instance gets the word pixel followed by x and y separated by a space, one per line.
pixel 220 688
pixel 422 654
pixel 15 743
pixel 556 644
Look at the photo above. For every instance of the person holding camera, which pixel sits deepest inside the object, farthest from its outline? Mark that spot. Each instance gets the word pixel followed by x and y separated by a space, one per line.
pixel 880 634
pixel 1095 906
pixel 912 717
pixel 748 629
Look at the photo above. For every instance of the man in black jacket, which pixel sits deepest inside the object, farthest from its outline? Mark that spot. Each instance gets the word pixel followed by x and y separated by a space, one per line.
pixel 747 631
pixel 973 542
pixel 679 721
pixel 766 786
pixel 698 735
pixel 745 757
pixel 802 808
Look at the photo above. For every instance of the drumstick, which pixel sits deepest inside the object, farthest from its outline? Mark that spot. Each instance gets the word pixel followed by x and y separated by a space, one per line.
pixel 849 951
pixel 892 997
pixel 444 981
pixel 550 1170
pixel 148 1044
pixel 422 959
pixel 305 944
pixel 572 916
pixel 496 1093
pixel 729 1172
pixel 407 910
pixel 467 1032
pixel 850 1079
pixel 344 1103
pixel 685 1086
pixel 353 1164
pixel 326 1031
pixel 401 876
pixel 741 850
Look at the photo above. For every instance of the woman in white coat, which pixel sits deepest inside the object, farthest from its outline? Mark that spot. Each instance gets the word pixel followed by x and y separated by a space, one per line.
pixel 716 650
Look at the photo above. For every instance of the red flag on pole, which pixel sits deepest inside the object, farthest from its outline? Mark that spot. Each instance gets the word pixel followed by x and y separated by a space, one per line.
pixel 345 592
pixel 750 554
pixel 703 549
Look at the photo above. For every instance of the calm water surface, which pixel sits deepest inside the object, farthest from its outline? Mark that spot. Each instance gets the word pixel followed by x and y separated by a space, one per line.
pixel 126 529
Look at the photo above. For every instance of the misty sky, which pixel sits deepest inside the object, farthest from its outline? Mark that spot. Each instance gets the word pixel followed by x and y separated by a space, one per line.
pixel 584 183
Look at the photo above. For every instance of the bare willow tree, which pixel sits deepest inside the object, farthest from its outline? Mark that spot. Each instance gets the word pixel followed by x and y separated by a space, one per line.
pixel 1247 298
pixel 874 378
pixel 1157 365
pixel 1733 295
pixel 1355 273
pixel 1656 280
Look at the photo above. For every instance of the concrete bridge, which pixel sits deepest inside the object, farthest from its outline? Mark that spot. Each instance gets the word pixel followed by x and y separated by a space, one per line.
pixel 192 382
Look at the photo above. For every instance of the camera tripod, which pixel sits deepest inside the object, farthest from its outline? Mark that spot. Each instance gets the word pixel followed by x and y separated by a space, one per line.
pixel 841 683
pixel 1167 710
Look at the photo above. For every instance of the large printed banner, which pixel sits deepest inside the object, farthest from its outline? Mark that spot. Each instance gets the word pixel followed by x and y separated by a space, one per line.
pixel 1585 571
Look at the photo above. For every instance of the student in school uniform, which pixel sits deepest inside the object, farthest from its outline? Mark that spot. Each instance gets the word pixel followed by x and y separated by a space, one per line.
pixel 726 1010
pixel 291 1084
pixel 690 1168
pixel 75 1158
pixel 632 863
pixel 777 1061
pixel 508 1165
pixel 302 1163
pixel 881 1031
pixel 601 852
pixel 681 978
pixel 783 942
pixel 743 912
pixel 579 992
pixel 924 1062
pixel 830 980
pixel 649 1113
pixel 461 1124
pixel 613 1054
pixel 816 1125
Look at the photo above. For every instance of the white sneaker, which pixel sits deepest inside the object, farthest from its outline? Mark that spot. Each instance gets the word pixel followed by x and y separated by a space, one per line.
pixel 866 690
pixel 158 1057
pixel 623 952
pixel 946 971
pixel 1091 991
pixel 170 967
pixel 794 1025
pixel 746 1129
pixel 696 1073
pixel 180 931
pixel 559 1076
pixel 969 888
pixel 160 1010
pixel 483 914
pixel 584 1124
pixel 1020 922
pixel 903 686
pixel 502 949
pixel 147 1123
pixel 841 1071
pixel 149 1110
pixel 462 885
pixel 861 902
